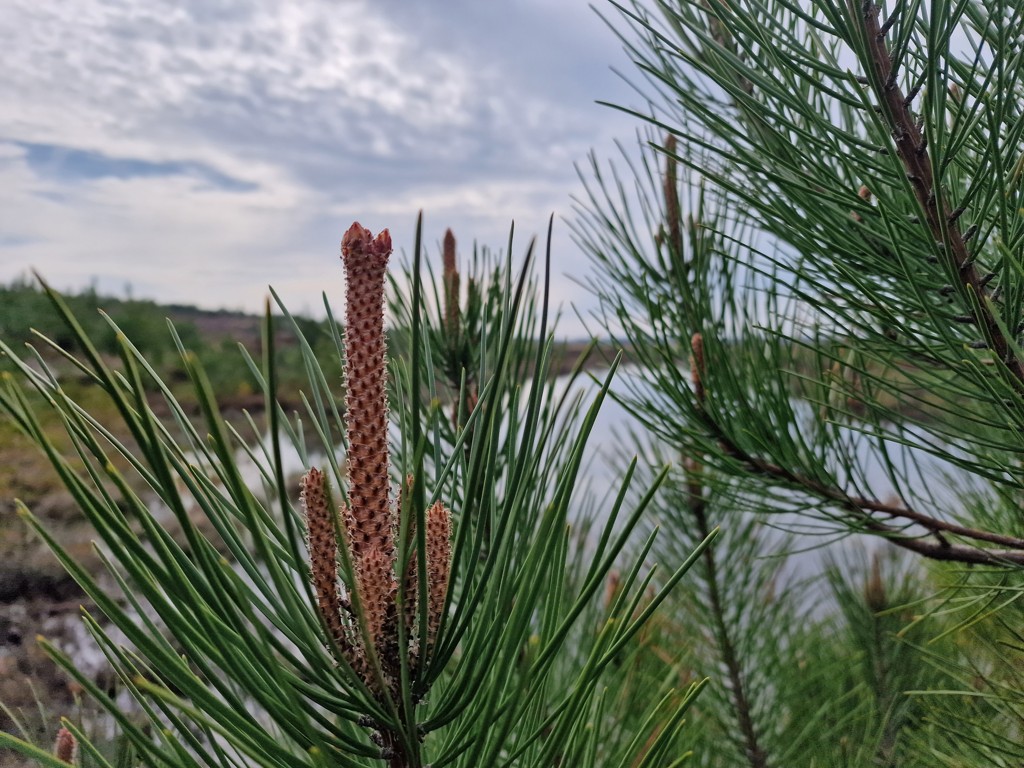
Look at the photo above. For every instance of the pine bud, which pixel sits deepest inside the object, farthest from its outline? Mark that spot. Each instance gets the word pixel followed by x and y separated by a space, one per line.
pixel 697 366
pixel 874 588
pixel 451 289
pixel 366 418
pixel 66 746
pixel 323 560
pixel 376 591
pixel 439 552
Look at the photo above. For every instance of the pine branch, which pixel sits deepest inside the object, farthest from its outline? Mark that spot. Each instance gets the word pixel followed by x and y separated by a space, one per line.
pixel 943 223
pixel 940 549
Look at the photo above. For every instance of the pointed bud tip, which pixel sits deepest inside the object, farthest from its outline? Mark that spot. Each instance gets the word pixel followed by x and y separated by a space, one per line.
pixel 697 347
pixel 359 241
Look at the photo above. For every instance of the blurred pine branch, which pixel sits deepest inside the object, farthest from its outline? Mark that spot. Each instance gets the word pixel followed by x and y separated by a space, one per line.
pixel 828 196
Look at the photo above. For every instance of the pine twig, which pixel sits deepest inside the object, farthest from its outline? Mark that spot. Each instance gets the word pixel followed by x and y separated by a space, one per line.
pixel 697 501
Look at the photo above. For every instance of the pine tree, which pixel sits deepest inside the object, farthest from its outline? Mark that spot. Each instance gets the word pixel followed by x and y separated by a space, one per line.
pixel 826 213
pixel 424 594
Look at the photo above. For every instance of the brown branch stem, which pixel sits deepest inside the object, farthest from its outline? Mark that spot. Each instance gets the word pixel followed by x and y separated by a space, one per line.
pixel 939 549
pixel 394 750
pixel 698 508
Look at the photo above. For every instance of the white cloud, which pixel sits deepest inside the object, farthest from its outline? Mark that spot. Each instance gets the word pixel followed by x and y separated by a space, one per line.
pixel 167 235
pixel 174 81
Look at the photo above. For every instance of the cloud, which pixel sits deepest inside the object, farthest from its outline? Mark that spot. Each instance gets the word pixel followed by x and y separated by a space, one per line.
pixel 204 148
pixel 320 83
pixel 167 235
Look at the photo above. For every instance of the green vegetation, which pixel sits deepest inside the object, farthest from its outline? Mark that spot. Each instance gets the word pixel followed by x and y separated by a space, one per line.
pixel 235 655
pixel 26 314
pixel 814 258
pixel 25 308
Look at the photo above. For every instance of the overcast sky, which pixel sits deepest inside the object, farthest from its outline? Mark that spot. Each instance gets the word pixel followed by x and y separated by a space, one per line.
pixel 200 150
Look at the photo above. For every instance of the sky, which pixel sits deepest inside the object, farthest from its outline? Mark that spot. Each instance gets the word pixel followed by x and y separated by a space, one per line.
pixel 197 151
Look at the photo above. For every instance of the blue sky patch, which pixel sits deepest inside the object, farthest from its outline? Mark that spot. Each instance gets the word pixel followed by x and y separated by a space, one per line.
pixel 70 165
pixel 13 241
